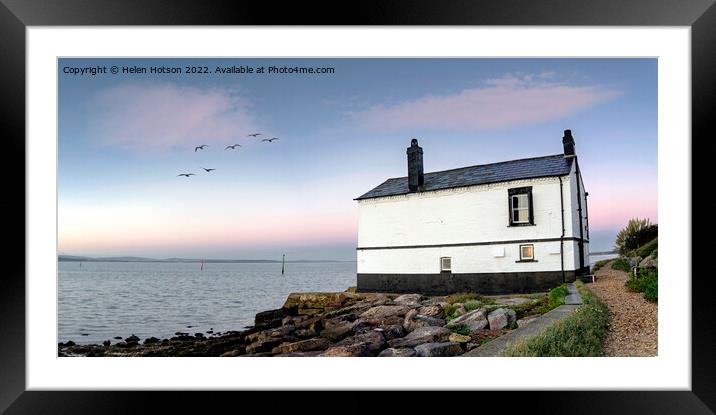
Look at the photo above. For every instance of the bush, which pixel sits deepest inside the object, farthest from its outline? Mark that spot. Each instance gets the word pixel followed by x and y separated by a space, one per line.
pixel 646 281
pixel 555 298
pixel 621 265
pixel 580 334
pixel 472 305
pixel 637 233
pixel 647 249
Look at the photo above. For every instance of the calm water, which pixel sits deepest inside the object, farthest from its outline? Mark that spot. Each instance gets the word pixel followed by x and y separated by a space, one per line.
pixel 100 300
pixel 594 258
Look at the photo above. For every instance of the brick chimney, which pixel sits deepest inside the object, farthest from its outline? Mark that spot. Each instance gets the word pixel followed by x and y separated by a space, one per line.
pixel 415 166
pixel 568 142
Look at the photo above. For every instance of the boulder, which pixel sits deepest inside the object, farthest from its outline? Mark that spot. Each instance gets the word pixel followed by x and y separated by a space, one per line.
pixel 459 338
pixel 438 349
pixel 304 333
pixel 300 354
pixel 634 261
pixel 132 339
pixel 460 311
pixel 413 320
pixel 475 320
pixel 432 311
pixel 512 300
pixel 374 340
pixel 384 311
pixel 336 330
pixel 351 350
pixel 392 331
pixel 421 335
pixel 408 299
pixel 150 340
pixel 270 318
pixel 311 303
pixel 402 352
pixel 500 318
pixel 649 262
pixel 302 346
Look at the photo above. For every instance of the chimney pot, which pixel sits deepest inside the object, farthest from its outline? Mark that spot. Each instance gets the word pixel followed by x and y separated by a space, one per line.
pixel 416 178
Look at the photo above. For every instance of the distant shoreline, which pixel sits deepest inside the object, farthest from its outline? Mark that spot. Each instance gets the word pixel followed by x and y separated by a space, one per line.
pixel 72 258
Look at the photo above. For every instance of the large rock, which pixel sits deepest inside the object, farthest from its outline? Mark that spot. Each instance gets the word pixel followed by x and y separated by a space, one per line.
pixel 266 340
pixel 408 299
pixel 421 335
pixel 270 318
pixel 301 354
pixel 382 315
pixel 373 338
pixel 500 318
pixel 391 332
pixel 402 352
pixel 475 320
pixel 432 311
pixel 350 350
pixel 634 261
pixel 302 346
pixel 438 349
pixel 649 262
pixel 308 303
pixel 413 320
pixel 336 330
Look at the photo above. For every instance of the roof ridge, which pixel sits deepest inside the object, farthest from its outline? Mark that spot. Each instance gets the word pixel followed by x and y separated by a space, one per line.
pixel 481 165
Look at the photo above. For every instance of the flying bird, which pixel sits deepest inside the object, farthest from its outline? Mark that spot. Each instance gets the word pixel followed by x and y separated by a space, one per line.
pixel 186 174
pixel 254 135
pixel 208 170
pixel 201 147
pixel 270 140
pixel 232 147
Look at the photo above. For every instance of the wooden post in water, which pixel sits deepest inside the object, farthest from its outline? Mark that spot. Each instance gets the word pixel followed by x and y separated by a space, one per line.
pixel 283 260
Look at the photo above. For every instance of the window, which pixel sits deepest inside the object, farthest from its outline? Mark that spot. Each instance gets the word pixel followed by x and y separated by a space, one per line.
pixel 445 264
pixel 520 206
pixel 527 252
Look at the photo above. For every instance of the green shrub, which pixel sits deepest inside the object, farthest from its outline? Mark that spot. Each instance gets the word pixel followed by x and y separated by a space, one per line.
pixel 555 298
pixel 646 249
pixel 637 233
pixel 450 311
pixel 472 305
pixel 463 329
pixel 646 281
pixel 621 265
pixel 580 334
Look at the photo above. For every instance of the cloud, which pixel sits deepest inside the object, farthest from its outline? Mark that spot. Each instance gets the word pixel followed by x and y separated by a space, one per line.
pixel 500 103
pixel 157 117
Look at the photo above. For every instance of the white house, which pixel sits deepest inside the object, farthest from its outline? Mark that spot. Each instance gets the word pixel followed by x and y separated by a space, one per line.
pixel 513 226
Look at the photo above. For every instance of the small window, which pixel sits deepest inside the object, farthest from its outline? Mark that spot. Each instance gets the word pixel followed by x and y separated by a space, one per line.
pixel 445 264
pixel 520 206
pixel 527 252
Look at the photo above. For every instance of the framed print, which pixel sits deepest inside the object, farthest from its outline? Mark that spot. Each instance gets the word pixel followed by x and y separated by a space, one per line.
pixel 219 200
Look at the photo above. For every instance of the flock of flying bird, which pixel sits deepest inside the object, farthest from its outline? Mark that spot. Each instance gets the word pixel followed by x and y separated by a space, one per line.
pixel 232 147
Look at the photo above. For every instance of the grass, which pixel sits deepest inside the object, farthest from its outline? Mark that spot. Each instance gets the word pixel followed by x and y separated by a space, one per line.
pixel 599 264
pixel 621 265
pixel 580 334
pixel 647 282
pixel 472 305
pixel 554 299
pixel 649 247
pixel 461 329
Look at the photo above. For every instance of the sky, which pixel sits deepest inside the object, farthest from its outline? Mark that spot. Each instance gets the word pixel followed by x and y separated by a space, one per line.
pixel 124 138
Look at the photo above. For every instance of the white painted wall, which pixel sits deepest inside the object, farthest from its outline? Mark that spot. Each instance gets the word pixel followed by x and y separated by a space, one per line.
pixel 465 215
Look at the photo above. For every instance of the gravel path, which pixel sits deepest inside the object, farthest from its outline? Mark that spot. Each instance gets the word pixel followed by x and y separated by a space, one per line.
pixel 634 324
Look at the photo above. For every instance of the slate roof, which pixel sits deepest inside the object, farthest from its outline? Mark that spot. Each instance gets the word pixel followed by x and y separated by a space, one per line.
pixel 547 166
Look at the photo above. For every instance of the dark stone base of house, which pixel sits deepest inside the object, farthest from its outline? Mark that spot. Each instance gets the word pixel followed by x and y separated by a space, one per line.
pixel 446 283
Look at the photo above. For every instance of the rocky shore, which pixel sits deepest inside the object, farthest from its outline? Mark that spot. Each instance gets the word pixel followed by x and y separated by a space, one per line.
pixel 346 324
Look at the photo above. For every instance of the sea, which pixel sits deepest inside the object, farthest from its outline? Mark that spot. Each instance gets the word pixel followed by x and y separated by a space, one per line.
pixel 99 301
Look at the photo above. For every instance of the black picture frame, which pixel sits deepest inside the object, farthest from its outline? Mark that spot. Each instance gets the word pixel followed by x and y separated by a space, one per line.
pixel 16 15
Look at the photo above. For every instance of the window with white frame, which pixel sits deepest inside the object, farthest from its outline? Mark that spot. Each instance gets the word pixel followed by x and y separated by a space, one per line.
pixel 527 252
pixel 445 264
